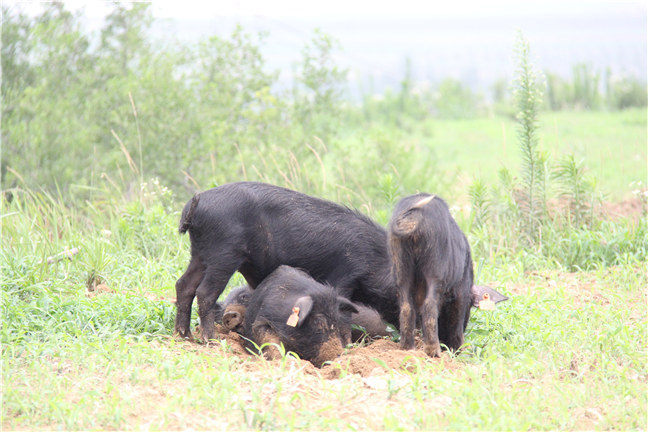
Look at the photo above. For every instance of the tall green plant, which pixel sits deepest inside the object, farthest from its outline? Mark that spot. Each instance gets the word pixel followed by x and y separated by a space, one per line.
pixel 528 91
pixel 479 197
pixel 577 189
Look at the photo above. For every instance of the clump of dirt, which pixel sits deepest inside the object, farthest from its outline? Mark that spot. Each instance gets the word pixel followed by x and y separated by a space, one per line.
pixel 377 358
pixel 234 341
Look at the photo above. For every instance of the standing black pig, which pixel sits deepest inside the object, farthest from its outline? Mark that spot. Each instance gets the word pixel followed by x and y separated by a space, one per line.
pixel 256 227
pixel 291 308
pixel 434 273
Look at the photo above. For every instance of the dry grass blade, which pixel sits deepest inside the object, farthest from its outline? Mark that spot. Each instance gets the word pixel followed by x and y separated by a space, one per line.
pixel 319 159
pixel 238 150
pixel 191 179
pixel 129 159
pixel 14 172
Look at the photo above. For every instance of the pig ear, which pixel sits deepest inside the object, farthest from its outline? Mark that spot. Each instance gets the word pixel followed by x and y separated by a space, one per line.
pixel 478 292
pixel 346 306
pixel 305 304
pixel 405 223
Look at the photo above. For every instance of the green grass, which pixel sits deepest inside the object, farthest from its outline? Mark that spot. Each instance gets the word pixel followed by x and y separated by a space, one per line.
pixel 612 144
pixel 566 352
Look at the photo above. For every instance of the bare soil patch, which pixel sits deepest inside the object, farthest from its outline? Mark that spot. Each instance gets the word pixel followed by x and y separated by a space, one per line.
pixel 377 358
pixel 632 209
pixel 373 358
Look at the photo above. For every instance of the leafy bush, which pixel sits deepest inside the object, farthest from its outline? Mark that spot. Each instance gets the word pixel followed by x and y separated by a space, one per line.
pixel 74 111
pixel 625 92
pixel 586 90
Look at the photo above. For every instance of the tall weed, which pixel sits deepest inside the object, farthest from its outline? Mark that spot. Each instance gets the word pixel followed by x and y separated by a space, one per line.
pixel 549 214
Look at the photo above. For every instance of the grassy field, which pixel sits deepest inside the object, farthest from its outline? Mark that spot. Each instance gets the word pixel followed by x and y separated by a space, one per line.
pixel 612 145
pixel 87 342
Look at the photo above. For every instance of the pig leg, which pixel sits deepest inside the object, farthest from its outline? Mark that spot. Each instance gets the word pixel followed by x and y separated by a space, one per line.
pixel 403 270
pixel 430 319
pixel 454 318
pixel 211 287
pixel 185 293
pixel 407 317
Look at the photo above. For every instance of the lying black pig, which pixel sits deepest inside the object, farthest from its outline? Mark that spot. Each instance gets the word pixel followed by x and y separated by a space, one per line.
pixel 291 308
pixel 433 269
pixel 256 227
pixel 366 322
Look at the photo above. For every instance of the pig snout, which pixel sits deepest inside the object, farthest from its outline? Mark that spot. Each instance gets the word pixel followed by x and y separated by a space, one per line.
pixel 330 350
pixel 233 317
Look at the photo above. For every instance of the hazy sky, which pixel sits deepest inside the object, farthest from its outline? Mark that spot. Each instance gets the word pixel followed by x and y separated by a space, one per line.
pixel 467 40
pixel 362 9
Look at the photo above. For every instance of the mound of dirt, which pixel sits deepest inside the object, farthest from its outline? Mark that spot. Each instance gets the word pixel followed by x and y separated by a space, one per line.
pixel 375 358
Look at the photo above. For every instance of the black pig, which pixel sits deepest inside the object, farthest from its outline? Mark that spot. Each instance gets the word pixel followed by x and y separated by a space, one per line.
pixel 256 227
pixel 433 269
pixel 232 313
pixel 321 320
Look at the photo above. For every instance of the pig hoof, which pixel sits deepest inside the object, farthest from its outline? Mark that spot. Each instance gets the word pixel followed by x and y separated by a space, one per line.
pixel 209 340
pixel 406 345
pixel 433 350
pixel 206 339
pixel 182 334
